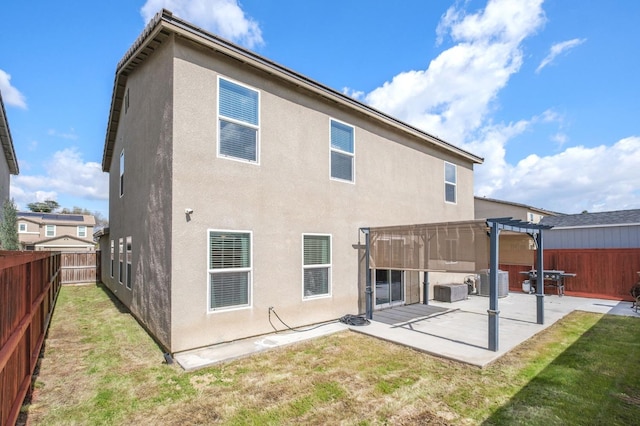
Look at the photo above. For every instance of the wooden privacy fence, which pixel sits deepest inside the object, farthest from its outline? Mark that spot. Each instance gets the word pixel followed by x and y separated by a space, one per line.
pixel 80 267
pixel 29 286
pixel 600 272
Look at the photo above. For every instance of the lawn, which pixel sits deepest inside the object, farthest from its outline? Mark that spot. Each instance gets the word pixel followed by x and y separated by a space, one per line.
pixel 100 367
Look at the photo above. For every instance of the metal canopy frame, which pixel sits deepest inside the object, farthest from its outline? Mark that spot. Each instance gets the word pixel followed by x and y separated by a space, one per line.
pixel 514 225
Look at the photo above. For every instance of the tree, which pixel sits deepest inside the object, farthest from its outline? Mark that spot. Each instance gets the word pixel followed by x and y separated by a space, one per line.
pixel 46 206
pixel 9 226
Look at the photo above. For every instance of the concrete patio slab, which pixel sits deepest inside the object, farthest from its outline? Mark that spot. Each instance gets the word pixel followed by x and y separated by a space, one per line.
pixel 458 331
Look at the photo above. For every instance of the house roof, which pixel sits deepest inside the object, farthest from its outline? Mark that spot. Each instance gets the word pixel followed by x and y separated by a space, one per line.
pixel 164 24
pixel 58 218
pixel 511 203
pixel 44 242
pixel 586 220
pixel 7 142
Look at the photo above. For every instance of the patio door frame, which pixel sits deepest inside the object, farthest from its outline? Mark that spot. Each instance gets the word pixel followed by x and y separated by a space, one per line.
pixel 390 302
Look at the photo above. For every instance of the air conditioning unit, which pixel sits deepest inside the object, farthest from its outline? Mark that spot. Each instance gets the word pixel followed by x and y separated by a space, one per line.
pixel 503 283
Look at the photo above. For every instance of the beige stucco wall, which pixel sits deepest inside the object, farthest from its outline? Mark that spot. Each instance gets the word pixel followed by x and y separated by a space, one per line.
pixel 485 209
pixel 143 213
pixel 288 194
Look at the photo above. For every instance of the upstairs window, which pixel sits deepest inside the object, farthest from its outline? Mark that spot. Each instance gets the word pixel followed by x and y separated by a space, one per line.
pixel 112 257
pixel 238 120
pixel 82 231
pixel 129 260
pixel 122 173
pixel 450 182
pixel 229 269
pixel 342 151
pixel 50 231
pixel 120 261
pixel 316 265
pixel 22 227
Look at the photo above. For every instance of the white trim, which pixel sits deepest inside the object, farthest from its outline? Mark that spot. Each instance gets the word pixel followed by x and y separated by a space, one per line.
pixel 329 266
pixel 249 304
pixel 231 120
pixel 26 227
pixel 446 182
pixel 86 228
pixel 608 225
pixel 352 154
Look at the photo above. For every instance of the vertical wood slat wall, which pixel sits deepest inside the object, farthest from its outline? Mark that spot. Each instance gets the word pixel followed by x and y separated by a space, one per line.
pixel 29 286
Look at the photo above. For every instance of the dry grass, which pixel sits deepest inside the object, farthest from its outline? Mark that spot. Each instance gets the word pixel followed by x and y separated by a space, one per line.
pixel 100 367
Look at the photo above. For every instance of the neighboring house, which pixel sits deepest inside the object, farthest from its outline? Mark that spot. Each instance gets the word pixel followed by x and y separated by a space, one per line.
pixel 58 232
pixel 615 229
pixel 238 185
pixel 485 208
pixel 602 249
pixel 515 248
pixel 8 159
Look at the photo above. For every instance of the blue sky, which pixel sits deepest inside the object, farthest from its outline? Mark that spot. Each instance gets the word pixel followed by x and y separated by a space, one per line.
pixel 547 92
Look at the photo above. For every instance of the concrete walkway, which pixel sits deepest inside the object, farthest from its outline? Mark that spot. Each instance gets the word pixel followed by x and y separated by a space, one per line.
pixel 457 331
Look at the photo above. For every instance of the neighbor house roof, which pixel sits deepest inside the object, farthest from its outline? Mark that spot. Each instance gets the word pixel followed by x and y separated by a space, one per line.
pixel 7 142
pixel 58 218
pixel 47 241
pixel 164 24
pixel 586 220
pixel 511 203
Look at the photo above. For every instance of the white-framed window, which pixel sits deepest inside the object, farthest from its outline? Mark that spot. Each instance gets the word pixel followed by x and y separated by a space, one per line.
pixel 82 231
pixel 450 182
pixel 230 269
pixel 316 265
pixel 129 259
pixel 112 257
pixel 342 151
pixel 122 173
pixel 121 260
pixel 22 227
pixel 49 230
pixel 238 121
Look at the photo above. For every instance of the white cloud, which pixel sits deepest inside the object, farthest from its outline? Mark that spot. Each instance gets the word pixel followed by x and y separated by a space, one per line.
pixel 67 175
pixel 558 49
pixel 11 95
pixel 453 96
pixel 456 95
pixel 222 17
pixel 71 134
pixel 579 178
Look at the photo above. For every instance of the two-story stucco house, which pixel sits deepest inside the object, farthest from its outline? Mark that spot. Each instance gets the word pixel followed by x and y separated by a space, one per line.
pixel 237 185
pixel 8 159
pixel 56 231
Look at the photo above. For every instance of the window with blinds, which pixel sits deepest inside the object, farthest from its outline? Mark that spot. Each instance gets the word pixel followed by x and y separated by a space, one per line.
pixel 450 182
pixel 342 151
pixel 229 269
pixel 316 265
pixel 238 120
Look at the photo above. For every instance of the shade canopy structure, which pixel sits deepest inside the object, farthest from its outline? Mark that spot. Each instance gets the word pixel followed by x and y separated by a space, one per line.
pixel 460 247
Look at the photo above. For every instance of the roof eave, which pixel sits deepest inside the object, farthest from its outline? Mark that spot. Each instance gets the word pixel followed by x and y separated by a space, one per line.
pixel 165 21
pixel 7 141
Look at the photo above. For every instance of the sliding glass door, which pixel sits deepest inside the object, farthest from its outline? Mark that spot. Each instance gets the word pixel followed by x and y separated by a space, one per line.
pixel 389 287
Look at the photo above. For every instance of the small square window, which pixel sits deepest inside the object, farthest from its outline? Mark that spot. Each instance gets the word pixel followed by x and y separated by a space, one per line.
pixel 22 227
pixel 82 231
pixel 50 231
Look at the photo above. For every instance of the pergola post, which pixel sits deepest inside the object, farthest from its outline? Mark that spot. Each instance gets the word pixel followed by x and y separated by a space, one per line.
pixel 368 290
pixel 540 279
pixel 493 311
